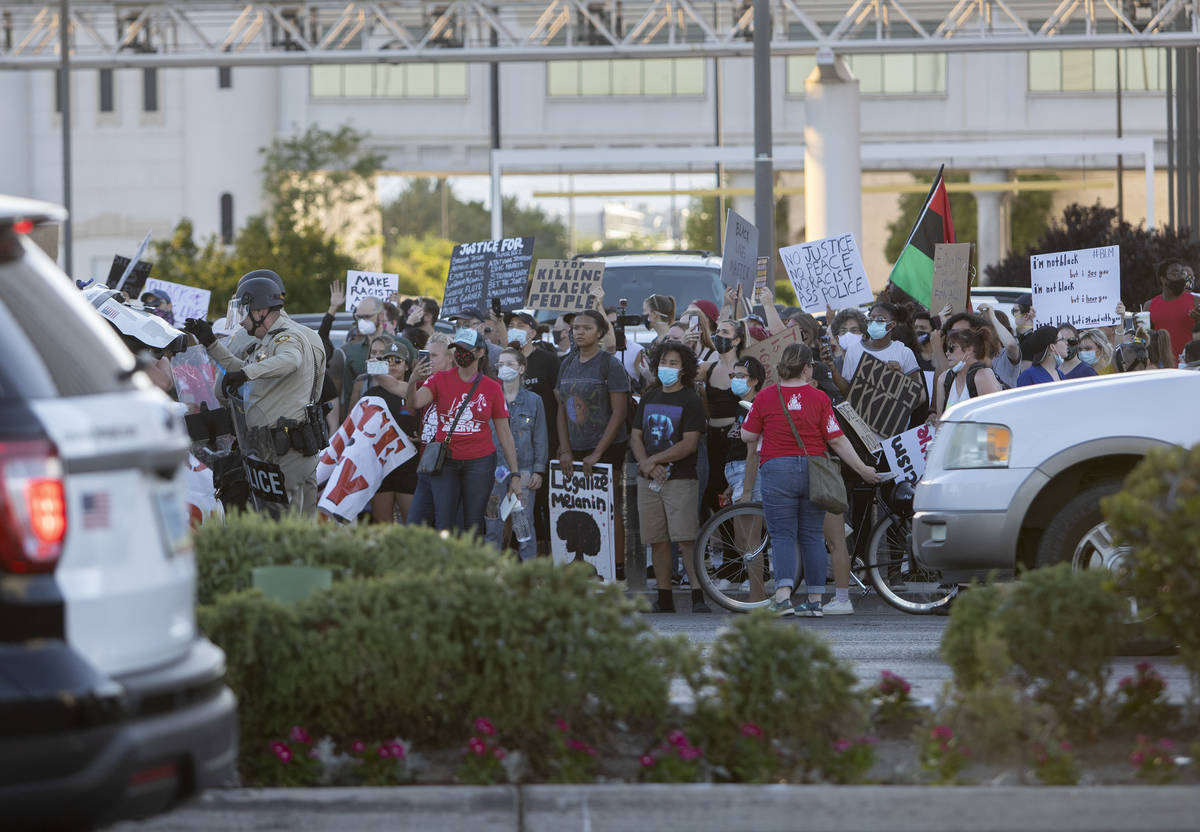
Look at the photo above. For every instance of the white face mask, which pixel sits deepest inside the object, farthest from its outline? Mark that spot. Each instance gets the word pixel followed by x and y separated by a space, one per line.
pixel 958 367
pixel 508 373
pixel 366 327
pixel 848 338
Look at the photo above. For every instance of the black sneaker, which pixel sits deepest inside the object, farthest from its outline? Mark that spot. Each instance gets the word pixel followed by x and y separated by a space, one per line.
pixel 657 607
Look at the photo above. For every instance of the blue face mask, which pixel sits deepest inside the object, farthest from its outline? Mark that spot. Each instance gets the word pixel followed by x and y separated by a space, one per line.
pixel 876 330
pixel 516 336
pixel 668 376
pixel 1058 360
pixel 1087 356
pixel 739 386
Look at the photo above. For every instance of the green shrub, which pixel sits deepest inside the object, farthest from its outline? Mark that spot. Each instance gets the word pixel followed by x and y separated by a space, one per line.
pixel 786 680
pixel 1157 514
pixel 421 655
pixel 226 554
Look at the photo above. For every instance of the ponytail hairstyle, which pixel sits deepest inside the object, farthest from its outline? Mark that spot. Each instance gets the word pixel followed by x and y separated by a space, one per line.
pixel 662 305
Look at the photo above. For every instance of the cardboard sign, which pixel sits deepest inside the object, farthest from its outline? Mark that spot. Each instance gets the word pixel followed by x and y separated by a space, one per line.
pixel 186 301
pixel 852 423
pixel 366 448
pixel 265 479
pixel 884 397
pixel 951 278
pixel 827 273
pixel 771 350
pixel 763 270
pixel 488 269
pixel 1077 287
pixel 361 285
pixel 907 452
pixel 739 259
pixel 137 277
pixel 566 285
pixel 581 518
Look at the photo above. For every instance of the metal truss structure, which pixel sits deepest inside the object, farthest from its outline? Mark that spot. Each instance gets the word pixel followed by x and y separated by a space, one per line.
pixel 281 32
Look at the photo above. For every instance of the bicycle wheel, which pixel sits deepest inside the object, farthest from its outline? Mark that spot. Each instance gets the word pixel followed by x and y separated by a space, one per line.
pixel 895 575
pixel 733 558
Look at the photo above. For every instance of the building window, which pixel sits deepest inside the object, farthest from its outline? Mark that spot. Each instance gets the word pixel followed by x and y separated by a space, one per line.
pixel 1095 70
pixel 442 80
pixel 892 74
pixel 150 90
pixel 224 77
pixel 106 91
pixel 662 77
pixel 227 219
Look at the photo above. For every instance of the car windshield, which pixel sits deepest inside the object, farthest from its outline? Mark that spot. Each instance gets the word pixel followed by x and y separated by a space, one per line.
pixel 636 283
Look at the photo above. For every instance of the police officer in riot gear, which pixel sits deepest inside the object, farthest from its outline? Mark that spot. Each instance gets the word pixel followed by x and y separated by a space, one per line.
pixel 282 424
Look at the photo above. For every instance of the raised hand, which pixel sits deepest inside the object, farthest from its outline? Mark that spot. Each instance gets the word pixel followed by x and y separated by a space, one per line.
pixel 337 296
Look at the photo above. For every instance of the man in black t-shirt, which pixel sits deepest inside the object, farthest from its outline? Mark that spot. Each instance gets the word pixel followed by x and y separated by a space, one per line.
pixel 666 433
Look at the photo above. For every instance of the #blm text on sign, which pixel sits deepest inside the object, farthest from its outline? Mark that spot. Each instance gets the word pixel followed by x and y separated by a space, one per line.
pixel 1081 288
pixel 566 285
pixel 885 398
pixel 361 285
pixel 581 518
pixel 739 258
pixel 951 279
pixel 771 350
pixel 827 273
pixel 485 270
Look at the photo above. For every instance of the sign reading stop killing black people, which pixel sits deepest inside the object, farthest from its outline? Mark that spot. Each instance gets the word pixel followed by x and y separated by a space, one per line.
pixel 581 518
pixel 739 258
pixel 566 285
pixel 827 273
pixel 485 270
pixel 884 397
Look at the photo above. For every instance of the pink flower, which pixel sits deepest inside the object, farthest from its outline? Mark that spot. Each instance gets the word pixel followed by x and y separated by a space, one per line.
pixel 485 727
pixel 397 750
pixel 499 753
pixel 358 746
pixel 477 745
pixel 282 752
pixel 384 753
pixel 1143 666
pixel 577 744
pixel 1126 682
pixel 942 732
pixel 842 746
pixel 561 724
pixel 677 738
pixel 689 752
pixel 1137 758
pixel 646 760
pixel 751 729
pixel 298 734
pixel 1166 745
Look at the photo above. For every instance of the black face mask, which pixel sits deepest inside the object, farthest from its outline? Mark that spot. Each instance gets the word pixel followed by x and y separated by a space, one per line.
pixel 722 343
pixel 463 357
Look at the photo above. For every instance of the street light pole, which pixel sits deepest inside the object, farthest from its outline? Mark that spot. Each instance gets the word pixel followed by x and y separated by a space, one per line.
pixel 764 174
pixel 64 96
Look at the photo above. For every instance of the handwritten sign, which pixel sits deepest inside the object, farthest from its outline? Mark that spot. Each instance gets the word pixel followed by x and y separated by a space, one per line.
pixel 907 452
pixel 761 273
pixel 827 273
pixel 739 260
pixel 951 282
pixel 566 285
pixel 581 518
pixel 853 426
pixel 186 301
pixel 884 397
pixel 366 448
pixel 361 285
pixel 769 351
pixel 488 269
pixel 136 279
pixel 1077 287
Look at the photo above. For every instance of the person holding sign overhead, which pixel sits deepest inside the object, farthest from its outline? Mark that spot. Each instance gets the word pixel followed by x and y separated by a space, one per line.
pixel 878 343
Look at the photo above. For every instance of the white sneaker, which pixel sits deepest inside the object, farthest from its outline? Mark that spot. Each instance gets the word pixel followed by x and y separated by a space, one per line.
pixel 836 607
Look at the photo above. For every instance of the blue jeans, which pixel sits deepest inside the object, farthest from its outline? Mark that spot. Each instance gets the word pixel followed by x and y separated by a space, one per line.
pixel 464 483
pixel 495 526
pixel 420 513
pixel 792 518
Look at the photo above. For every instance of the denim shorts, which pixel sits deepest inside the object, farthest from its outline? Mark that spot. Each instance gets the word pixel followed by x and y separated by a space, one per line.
pixel 735 475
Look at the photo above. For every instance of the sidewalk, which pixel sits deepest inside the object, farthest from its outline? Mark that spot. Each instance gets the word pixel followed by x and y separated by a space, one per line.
pixel 691 807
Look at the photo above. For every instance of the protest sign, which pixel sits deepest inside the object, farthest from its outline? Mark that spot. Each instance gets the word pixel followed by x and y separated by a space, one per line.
pixel 739 258
pixel 884 397
pixel 1081 287
pixel 827 273
pixel 853 426
pixel 488 269
pixel 581 518
pixel 361 285
pixel 907 452
pixel 566 285
pixel 366 448
pixel 136 279
pixel 770 350
pixel 760 276
pixel 186 301
pixel 951 281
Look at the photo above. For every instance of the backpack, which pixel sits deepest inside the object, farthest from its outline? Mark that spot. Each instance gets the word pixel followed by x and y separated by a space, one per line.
pixel 948 384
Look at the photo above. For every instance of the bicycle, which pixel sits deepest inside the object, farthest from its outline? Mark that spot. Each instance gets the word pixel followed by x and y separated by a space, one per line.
pixel 733 556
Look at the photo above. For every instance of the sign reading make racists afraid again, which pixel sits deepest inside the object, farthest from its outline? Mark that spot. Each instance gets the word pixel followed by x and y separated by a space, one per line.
pixel 485 270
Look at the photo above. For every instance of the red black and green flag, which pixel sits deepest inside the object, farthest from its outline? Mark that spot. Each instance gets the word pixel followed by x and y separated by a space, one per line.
pixel 913 272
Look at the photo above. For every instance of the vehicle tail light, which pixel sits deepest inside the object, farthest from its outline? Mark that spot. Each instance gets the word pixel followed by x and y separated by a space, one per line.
pixel 33 507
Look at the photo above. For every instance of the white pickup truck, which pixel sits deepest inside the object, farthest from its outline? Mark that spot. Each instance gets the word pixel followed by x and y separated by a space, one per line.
pixel 1016 478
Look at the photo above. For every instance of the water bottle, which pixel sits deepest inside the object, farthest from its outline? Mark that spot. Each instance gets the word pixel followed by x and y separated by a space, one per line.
pixel 657 486
pixel 520 524
pixel 502 473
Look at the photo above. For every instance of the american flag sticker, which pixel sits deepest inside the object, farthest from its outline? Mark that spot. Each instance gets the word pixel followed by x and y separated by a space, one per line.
pixel 96 510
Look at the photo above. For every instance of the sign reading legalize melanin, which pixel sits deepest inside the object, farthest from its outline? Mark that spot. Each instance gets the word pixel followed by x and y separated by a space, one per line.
pixel 1081 288
pixel 581 518
pixel 739 260
pixel 885 398
pixel 566 285
pixel 488 269
pixel 827 273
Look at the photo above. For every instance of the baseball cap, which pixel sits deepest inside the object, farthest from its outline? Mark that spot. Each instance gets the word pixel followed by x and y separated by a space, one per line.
pixel 1035 343
pixel 395 349
pixel 523 317
pixel 155 297
pixel 467 315
pixel 467 338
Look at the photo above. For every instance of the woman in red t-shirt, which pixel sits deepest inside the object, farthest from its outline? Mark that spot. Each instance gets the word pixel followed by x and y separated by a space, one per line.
pixel 780 413
pixel 467 477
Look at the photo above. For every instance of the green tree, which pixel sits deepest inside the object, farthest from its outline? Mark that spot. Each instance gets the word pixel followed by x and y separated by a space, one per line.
pixel 207 265
pixel 700 230
pixel 421 263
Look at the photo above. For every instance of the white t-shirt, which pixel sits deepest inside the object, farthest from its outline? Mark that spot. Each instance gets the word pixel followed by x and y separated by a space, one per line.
pixel 894 351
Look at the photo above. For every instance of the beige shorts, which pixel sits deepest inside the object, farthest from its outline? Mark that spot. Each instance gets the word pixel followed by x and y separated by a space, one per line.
pixel 672 514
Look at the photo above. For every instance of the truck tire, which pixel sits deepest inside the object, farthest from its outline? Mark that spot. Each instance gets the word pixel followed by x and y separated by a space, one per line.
pixel 1074 520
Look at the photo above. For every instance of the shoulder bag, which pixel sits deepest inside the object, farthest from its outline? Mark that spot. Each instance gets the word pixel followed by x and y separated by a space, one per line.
pixel 825 485
pixel 435 453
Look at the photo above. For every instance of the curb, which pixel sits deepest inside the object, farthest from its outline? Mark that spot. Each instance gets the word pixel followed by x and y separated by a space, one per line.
pixel 695 807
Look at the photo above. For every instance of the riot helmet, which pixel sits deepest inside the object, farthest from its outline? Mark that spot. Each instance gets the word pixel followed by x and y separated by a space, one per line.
pixel 258 293
pixel 257 273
